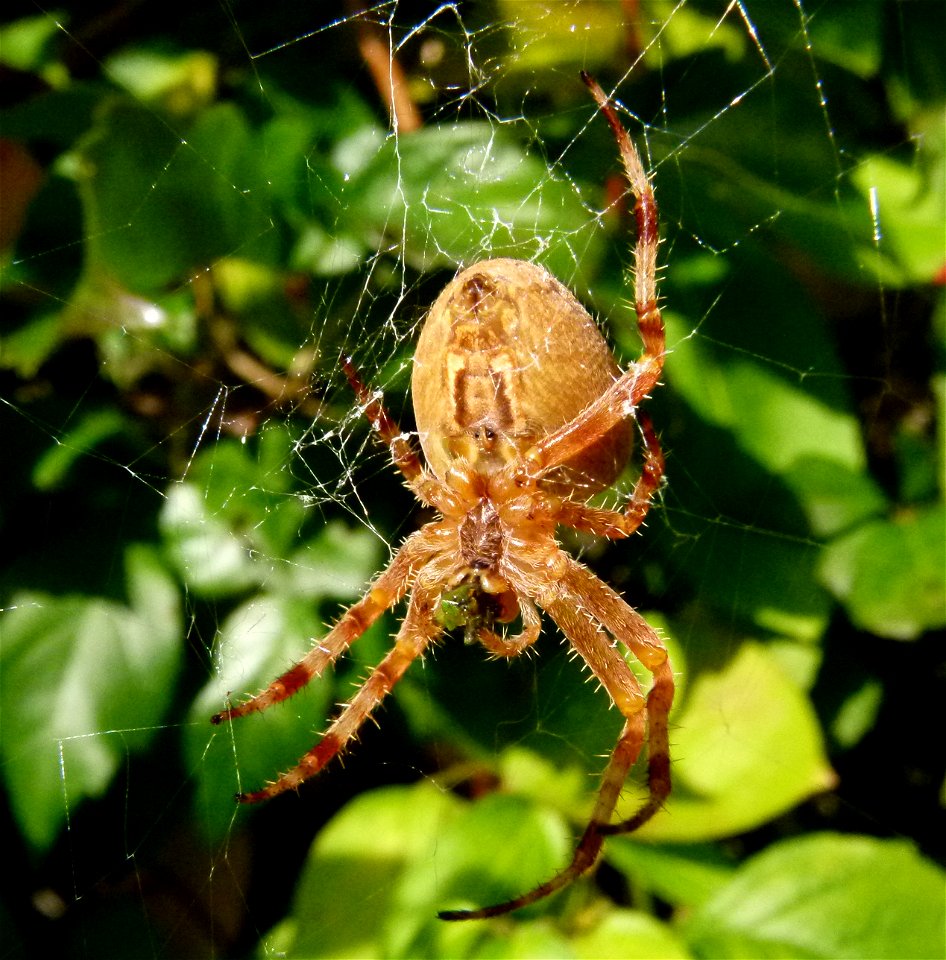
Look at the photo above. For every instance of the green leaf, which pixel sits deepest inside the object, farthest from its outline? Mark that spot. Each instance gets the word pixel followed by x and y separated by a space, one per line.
pixel 889 573
pixel 455 194
pixel 690 32
pixel 540 36
pixel 683 874
pixel 233 522
pixel 26 349
pixel 179 82
pixel 525 941
pixel 829 896
pixel 381 869
pixel 746 745
pixel 501 847
pixel 91 429
pixel 909 208
pixel 211 561
pixel 159 205
pixel 629 935
pixel 778 419
pixel 795 463
pixel 836 496
pixel 254 645
pixel 83 681
pixel 857 714
pixel 351 880
pixel 26 43
pixel 850 35
pixel 271 629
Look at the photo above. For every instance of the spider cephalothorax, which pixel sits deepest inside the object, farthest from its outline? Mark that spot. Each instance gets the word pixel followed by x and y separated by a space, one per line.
pixel 522 414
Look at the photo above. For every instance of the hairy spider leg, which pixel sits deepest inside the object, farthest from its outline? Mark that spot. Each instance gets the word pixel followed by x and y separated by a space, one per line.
pixel 659 702
pixel 425 487
pixel 418 630
pixel 501 645
pixel 600 607
pixel 652 471
pixel 645 206
pixel 621 399
pixel 649 321
pixel 386 591
pixel 385 426
pixel 609 523
pixel 628 627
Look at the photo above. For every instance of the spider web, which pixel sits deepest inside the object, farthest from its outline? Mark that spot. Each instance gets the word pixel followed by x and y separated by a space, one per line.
pixel 197 494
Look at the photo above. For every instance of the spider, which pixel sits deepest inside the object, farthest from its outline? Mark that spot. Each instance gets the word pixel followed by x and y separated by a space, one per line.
pixel 522 414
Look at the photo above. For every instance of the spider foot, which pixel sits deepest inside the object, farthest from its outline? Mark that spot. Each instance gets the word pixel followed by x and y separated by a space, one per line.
pixel 483 913
pixel 508 906
pixel 257 796
pixel 586 855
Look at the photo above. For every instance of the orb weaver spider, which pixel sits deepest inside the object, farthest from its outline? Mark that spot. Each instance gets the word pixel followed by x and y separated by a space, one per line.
pixel 522 414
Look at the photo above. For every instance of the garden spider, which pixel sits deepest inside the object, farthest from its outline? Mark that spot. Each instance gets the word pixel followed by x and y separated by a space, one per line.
pixel 522 414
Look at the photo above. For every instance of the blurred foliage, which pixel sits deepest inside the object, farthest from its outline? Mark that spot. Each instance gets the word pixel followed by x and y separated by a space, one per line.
pixel 201 212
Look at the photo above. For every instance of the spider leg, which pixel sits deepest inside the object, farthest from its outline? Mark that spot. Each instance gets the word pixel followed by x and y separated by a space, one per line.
pixel 504 646
pixel 385 426
pixel 628 627
pixel 387 590
pixel 598 606
pixel 659 701
pixel 418 630
pixel 648 483
pixel 426 488
pixel 610 523
pixel 645 207
pixel 622 398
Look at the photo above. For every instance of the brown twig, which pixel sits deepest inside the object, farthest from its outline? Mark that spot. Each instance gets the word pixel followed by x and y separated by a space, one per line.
pixel 386 72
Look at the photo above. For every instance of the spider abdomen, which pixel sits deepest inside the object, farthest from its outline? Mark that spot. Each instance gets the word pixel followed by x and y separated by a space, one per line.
pixel 507 355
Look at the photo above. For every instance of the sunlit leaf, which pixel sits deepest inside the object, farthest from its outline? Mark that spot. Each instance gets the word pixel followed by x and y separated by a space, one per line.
pixel 827 896
pixel 52 469
pixel 909 211
pixel 455 194
pixel 628 935
pixel 889 574
pixel 679 873
pixel 747 747
pixel 351 880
